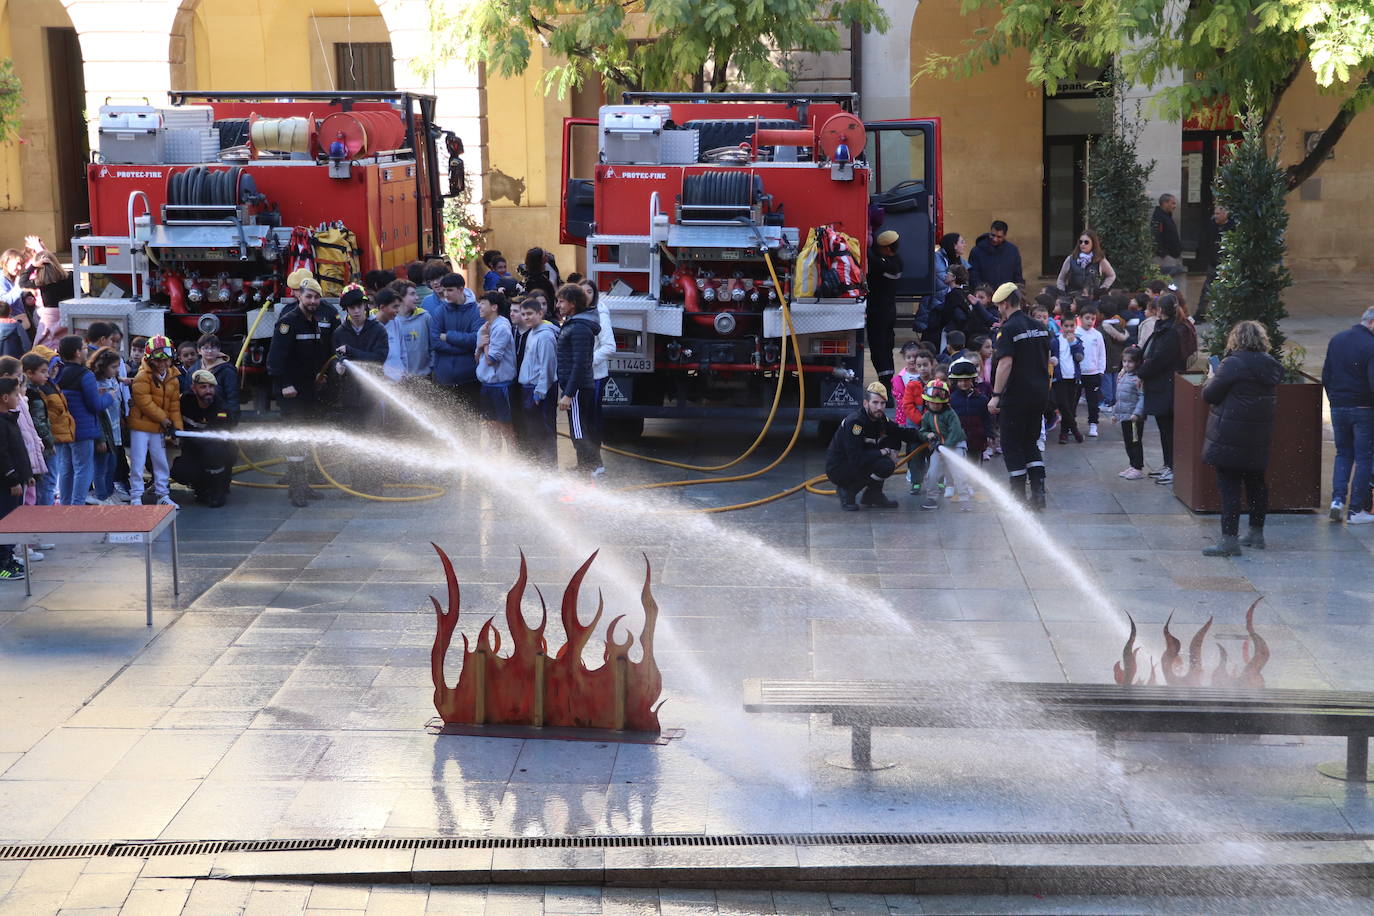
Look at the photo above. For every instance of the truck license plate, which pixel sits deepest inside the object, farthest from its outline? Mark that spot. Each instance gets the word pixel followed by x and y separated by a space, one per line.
pixel 632 363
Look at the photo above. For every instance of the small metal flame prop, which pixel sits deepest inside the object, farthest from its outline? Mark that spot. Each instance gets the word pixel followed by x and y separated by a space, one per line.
pixel 1171 664
pixel 527 687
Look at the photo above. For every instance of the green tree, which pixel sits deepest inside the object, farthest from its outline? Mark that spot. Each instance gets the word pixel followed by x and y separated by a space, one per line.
pixel 687 44
pixel 1251 276
pixel 1232 49
pixel 11 100
pixel 1118 207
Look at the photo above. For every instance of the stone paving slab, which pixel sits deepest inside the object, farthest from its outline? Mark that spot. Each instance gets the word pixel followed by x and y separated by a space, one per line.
pixel 284 695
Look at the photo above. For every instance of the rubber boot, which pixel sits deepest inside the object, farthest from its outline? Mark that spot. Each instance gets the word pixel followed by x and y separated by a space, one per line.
pixel 874 498
pixel 1226 546
pixel 1017 485
pixel 1037 488
pixel 847 502
pixel 1254 539
pixel 298 489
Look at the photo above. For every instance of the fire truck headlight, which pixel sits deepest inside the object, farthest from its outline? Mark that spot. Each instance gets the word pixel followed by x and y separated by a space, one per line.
pixel 724 323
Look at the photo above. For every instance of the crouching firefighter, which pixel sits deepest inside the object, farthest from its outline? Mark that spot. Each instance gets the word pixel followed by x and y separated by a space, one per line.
pixel 863 453
pixel 206 465
pixel 302 349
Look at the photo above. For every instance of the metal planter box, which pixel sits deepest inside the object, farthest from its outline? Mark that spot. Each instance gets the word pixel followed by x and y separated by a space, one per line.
pixel 1295 457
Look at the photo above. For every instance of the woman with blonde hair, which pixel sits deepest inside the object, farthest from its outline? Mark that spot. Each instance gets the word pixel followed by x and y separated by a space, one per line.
pixel 1086 270
pixel 1239 432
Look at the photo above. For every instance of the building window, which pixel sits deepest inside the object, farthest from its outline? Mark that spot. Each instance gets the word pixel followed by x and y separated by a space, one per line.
pixel 364 66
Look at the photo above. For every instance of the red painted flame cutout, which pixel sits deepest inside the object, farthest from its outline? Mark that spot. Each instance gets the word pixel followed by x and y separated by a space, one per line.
pixel 1170 663
pixel 530 688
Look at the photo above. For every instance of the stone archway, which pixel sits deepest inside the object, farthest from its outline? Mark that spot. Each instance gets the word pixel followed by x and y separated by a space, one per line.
pixel 42 184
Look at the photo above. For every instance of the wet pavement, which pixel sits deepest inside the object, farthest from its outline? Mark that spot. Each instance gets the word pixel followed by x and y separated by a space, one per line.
pixel 285 693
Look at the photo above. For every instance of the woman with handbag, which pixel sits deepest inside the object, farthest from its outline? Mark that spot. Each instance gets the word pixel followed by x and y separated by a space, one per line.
pixel 1086 271
pixel 1240 429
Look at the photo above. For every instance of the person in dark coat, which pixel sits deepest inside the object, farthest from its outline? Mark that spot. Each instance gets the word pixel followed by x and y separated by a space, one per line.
pixel 884 270
pixel 1348 377
pixel 1168 245
pixel 206 465
pixel 1163 356
pixel 15 471
pixel 1210 253
pixel 863 452
pixel 994 260
pixel 1239 430
pixel 302 349
pixel 576 384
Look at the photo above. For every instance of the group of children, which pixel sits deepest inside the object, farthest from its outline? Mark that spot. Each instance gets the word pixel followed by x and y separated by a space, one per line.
pixel 1095 350
pixel 82 422
pixel 950 417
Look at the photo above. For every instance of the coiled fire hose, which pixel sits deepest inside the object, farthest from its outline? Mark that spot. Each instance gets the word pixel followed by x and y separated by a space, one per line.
pixel 810 485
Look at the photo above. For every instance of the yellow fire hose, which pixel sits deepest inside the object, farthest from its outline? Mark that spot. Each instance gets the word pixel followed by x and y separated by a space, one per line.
pixel 433 492
pixel 791 334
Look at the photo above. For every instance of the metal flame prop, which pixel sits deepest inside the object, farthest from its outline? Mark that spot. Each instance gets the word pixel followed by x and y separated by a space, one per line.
pixel 529 688
pixel 1171 666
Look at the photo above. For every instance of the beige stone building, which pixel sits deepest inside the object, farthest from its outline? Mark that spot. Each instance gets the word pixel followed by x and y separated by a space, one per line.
pixel 1009 151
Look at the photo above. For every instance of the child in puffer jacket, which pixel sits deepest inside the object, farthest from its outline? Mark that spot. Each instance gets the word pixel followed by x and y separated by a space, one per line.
pixel 1129 411
pixel 154 413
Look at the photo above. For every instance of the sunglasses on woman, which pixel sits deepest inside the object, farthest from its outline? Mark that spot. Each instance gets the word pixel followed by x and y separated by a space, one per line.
pixel 1085 241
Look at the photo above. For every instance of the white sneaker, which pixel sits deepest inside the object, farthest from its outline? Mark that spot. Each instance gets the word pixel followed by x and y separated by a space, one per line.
pixel 167 501
pixel 47 546
pixel 1092 430
pixel 1337 510
pixel 121 493
pixel 949 492
pixel 34 555
pixel 599 472
pixel 93 501
pixel 1360 518
pixel 1166 476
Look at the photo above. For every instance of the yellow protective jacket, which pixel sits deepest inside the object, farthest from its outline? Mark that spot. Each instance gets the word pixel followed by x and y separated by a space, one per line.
pixel 154 401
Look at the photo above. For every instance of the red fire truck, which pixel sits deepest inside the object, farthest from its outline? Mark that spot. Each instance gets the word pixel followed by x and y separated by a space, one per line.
pixel 200 209
pixel 677 199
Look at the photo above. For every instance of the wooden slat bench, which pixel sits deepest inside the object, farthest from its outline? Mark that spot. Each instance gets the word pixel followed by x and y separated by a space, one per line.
pixel 1106 709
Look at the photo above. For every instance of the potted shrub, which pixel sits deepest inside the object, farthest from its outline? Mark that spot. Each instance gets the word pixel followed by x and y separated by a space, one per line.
pixel 1249 284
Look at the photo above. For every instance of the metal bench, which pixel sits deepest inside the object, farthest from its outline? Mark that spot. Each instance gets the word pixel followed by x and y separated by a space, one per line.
pixel 1106 709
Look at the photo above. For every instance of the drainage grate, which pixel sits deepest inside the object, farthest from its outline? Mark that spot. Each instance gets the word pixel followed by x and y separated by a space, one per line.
pixel 212 847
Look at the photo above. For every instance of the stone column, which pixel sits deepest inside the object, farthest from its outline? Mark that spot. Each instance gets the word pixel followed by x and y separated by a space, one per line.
pixel 886 67
pixel 125 49
pixel 458 88
pixel 1161 138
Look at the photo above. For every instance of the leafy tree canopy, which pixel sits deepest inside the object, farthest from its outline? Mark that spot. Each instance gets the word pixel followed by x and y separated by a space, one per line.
pixel 687 44
pixel 1223 48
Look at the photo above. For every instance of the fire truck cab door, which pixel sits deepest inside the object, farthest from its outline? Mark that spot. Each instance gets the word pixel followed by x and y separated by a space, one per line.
pixel 576 206
pixel 905 159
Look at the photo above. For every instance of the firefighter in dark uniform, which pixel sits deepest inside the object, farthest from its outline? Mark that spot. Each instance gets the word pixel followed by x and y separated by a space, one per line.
pixel 206 465
pixel 302 348
pixel 863 453
pixel 884 270
pixel 1020 389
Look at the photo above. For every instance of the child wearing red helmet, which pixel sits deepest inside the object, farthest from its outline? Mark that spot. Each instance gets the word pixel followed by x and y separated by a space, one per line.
pixel 941 428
